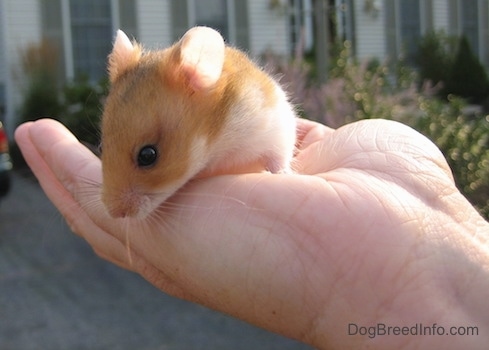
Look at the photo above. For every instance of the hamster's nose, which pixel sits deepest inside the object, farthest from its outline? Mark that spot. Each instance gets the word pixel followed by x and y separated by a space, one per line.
pixel 120 213
pixel 121 205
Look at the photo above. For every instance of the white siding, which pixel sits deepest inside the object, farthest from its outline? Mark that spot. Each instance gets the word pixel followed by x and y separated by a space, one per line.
pixel 440 15
pixel 370 32
pixel 268 29
pixel 21 20
pixel 154 23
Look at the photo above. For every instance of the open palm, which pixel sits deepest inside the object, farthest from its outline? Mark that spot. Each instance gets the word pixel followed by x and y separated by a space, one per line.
pixel 362 234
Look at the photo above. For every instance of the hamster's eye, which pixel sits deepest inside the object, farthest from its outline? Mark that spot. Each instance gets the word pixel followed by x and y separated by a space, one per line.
pixel 147 156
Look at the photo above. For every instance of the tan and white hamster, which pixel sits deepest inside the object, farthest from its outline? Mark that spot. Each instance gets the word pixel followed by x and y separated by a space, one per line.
pixel 197 106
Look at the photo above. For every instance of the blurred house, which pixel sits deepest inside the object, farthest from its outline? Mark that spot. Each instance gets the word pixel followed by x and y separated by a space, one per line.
pixel 388 29
pixel 81 31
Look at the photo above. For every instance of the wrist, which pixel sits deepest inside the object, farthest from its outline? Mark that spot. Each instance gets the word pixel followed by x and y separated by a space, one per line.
pixel 443 304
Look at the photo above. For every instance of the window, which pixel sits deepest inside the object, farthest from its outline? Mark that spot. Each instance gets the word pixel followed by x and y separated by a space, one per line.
pixel 212 13
pixel 345 15
pixel 301 25
pixel 91 29
pixel 82 32
pixel 410 27
pixel 471 19
pixel 469 13
pixel 229 17
pixel 406 22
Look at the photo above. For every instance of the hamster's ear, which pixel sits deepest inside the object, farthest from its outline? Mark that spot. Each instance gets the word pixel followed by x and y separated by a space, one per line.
pixel 202 57
pixel 123 57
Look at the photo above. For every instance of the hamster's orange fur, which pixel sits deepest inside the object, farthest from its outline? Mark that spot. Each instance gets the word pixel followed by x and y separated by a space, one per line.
pixel 203 105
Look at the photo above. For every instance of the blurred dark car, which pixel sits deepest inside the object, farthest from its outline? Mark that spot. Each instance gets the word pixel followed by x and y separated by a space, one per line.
pixel 5 163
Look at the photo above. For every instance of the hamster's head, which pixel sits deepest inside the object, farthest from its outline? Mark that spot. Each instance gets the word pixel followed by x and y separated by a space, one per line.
pixel 159 119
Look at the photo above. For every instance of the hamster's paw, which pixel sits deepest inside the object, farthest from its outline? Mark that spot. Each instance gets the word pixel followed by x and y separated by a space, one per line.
pixel 279 165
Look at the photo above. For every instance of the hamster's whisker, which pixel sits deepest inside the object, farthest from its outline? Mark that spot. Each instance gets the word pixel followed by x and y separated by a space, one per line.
pixel 127 240
pixel 162 219
pixel 220 197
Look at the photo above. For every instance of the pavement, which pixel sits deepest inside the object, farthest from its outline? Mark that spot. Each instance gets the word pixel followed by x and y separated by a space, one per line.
pixel 55 293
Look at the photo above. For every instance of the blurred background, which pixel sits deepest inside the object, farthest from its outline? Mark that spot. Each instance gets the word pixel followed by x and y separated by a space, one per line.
pixel 420 62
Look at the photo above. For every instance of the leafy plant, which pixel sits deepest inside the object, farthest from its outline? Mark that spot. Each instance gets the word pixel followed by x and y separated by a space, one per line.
pixel 362 90
pixel 464 140
pixel 435 57
pixel 41 93
pixel 82 107
pixel 467 77
pixel 77 104
pixel 451 63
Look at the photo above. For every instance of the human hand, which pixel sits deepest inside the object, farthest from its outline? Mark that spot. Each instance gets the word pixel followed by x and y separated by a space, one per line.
pixel 372 230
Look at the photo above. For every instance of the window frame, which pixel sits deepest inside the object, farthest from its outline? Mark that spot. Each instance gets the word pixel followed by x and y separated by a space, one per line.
pixel 88 45
pixel 68 40
pixel 461 29
pixel 230 17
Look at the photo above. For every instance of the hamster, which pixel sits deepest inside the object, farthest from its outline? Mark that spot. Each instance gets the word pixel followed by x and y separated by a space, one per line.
pixel 197 107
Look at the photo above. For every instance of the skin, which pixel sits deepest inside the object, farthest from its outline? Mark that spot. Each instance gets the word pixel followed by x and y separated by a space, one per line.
pixel 373 230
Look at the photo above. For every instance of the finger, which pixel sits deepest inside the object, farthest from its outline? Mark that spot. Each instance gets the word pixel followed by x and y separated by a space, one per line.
pixel 64 154
pixel 71 165
pixel 57 159
pixel 309 132
pixel 56 192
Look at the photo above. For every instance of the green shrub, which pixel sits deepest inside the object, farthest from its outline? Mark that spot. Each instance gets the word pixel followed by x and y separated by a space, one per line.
pixel 464 140
pixel 365 90
pixel 40 99
pixel 41 93
pixel 451 63
pixel 467 77
pixel 435 57
pixel 82 108
pixel 78 104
